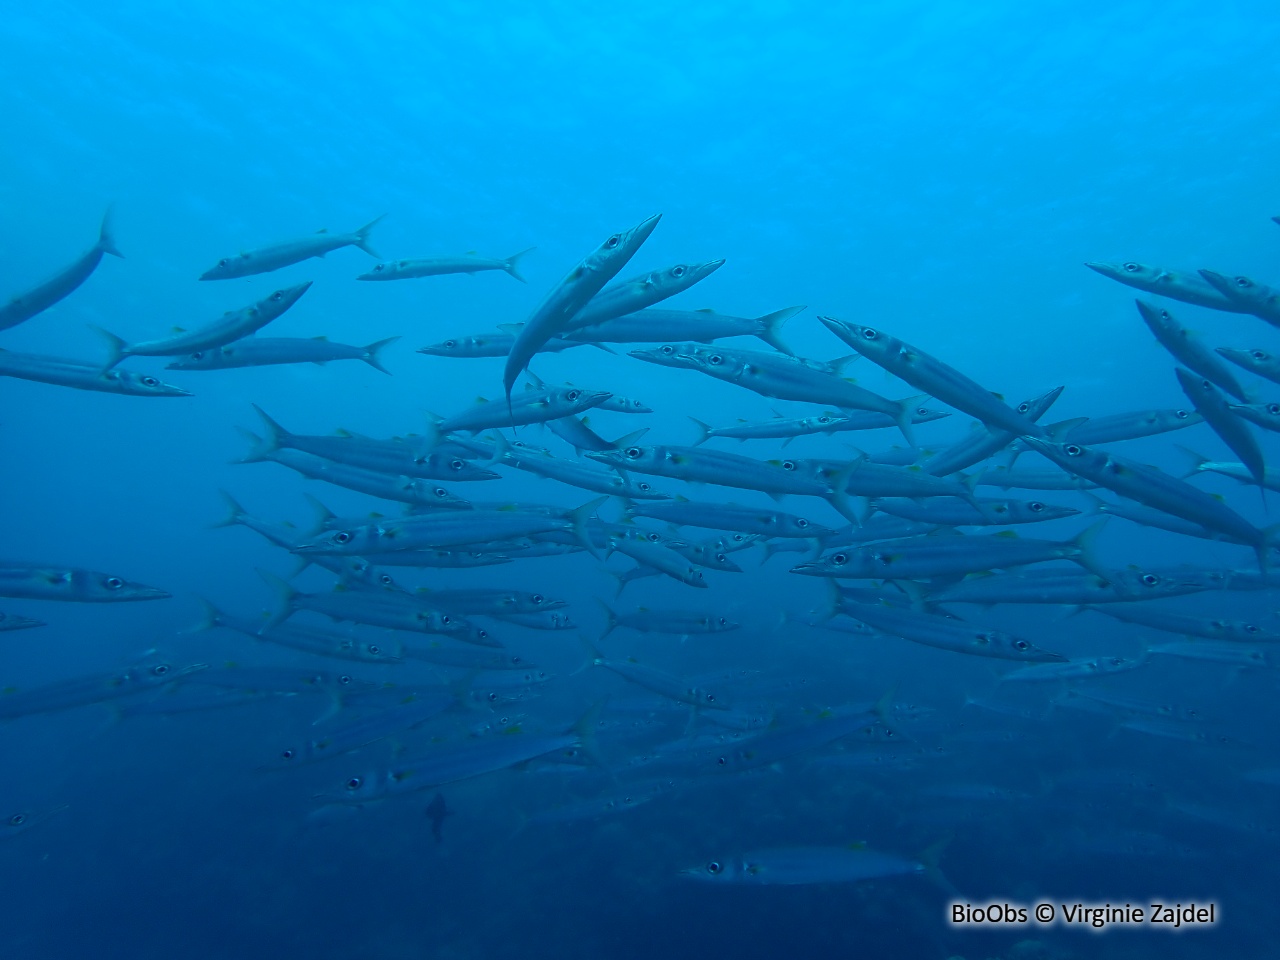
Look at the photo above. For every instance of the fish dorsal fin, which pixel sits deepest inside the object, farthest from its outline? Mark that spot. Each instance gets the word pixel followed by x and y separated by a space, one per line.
pixel 704 310
pixel 321 338
pixel 998 396
pixel 471 253
pixel 512 328
pixel 343 432
pixel 1008 534
pixel 323 230
pixel 482 399
pixel 181 329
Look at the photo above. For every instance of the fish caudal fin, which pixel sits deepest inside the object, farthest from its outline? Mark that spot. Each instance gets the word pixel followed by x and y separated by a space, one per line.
pixel 106 239
pixel 771 325
pixel 117 349
pixel 284 592
pixel 509 264
pixel 611 618
pixel 362 237
pixel 235 512
pixel 1087 557
pixel 704 431
pixel 371 354
pixel 277 436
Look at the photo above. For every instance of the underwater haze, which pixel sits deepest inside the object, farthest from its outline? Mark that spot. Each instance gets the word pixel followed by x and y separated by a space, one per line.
pixel 787 629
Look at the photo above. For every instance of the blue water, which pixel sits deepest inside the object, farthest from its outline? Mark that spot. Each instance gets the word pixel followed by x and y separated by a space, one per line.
pixel 939 171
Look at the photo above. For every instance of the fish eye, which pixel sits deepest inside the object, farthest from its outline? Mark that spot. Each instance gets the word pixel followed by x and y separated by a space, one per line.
pixel 344 679
pixel 197 355
pixel 633 453
pixel 286 754
pixel 385 580
pixel 451 344
pixel 456 464
pixel 1021 645
pixel 574 394
pixel 721 558
pixel 653 537
pixel 613 241
pixel 668 349
pixel 840 558
pixel 1035 506
pixel 1258 354
pixel 150 382
pixel 1243 282
pixel 722 761
pixel 922 411
pixel 1181 414
pixel 714 868
pixel 1150 579
pixel 493 698
pixel 1273 408
pixel 160 669
pixel 278 295
pixel 1250 628
pixel 788 464
pixel 341 537
pixel 1131 267
pixel 723 622
pixel 482 634
pixel 17 820
pixel 441 492
pixel 446 619
pixel 355 783
pixel 374 649
pixel 801 522
pixel 1024 407
pixel 536 598
pixel 824 420
pixel 710 698
pixel 1073 450
pixel 677 271
pixel 869 334
pixel 645 486
pixel 115 583
pixel 222 262
pixel 715 359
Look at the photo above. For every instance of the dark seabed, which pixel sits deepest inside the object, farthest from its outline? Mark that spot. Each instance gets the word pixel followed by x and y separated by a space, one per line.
pixel 741 767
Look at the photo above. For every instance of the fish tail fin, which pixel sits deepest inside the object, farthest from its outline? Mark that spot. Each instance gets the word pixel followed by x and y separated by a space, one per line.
pixel 259 449
pixel 284 592
pixel 362 237
pixel 1196 460
pixel 1084 541
pixel 371 353
pixel 235 512
pixel 704 432
pixel 580 517
pixel 211 617
pixel 771 327
pixel 904 417
pixel 839 363
pixel 277 436
pixel 324 516
pixel 106 237
pixel 509 264
pixel 117 348
pixel 612 618
pixel 629 439
pixel 594 656
pixel 929 859
pixel 854 510
pixel 881 707
pixel 584 728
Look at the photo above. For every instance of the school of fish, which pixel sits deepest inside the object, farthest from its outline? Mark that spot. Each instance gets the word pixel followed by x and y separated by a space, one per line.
pixel 404 687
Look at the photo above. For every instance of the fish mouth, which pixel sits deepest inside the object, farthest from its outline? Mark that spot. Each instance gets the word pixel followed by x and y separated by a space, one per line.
pixel 604 456
pixel 176 392
pixel 149 593
pixel 208 275
pixel 810 569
